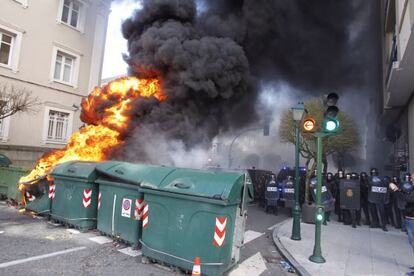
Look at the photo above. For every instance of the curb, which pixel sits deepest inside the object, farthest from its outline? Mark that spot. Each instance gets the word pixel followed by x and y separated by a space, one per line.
pixel 285 253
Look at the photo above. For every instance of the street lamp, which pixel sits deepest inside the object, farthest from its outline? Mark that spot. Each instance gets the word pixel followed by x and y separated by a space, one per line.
pixel 298 111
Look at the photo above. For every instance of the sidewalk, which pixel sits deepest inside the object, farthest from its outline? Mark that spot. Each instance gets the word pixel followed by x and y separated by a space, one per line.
pixel 348 251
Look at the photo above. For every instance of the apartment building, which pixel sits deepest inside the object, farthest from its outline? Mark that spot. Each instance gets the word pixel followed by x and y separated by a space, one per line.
pixel 398 61
pixel 54 49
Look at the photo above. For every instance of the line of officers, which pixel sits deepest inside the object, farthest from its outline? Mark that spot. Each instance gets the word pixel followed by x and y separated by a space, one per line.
pixel 371 193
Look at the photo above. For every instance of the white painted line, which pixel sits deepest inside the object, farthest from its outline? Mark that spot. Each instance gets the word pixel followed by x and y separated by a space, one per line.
pixel 251 235
pixel 35 258
pixel 101 239
pixel 1 232
pixel 272 227
pixel 255 265
pixel 73 231
pixel 131 252
pixel 54 224
pixel 38 217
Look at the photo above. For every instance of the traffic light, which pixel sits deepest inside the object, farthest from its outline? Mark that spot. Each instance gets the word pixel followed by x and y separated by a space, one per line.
pixel 309 124
pixel 319 214
pixel 330 122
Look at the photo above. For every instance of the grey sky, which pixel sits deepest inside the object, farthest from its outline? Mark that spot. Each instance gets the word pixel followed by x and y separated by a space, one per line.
pixel 114 64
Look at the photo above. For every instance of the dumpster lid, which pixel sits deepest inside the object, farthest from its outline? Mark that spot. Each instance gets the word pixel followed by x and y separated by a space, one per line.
pixel 76 169
pixel 133 173
pixel 224 186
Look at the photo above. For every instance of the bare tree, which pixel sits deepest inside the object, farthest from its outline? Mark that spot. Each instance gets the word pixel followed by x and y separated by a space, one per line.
pixel 14 100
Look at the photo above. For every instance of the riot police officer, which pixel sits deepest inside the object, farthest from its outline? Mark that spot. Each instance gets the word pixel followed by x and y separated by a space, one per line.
pixel 399 199
pixel 339 175
pixel 394 198
pixel 363 180
pixel 378 196
pixel 349 196
pixel 326 197
pixel 389 216
pixel 407 188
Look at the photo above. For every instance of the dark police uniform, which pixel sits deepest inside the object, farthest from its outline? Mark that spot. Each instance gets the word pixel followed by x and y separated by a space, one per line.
pixel 378 196
pixel 363 180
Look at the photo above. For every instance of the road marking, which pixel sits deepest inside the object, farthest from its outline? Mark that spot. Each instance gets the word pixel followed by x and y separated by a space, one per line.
pixel 35 258
pixel 255 265
pixel 131 252
pixel 251 235
pixel 73 231
pixel 101 239
pixel 272 227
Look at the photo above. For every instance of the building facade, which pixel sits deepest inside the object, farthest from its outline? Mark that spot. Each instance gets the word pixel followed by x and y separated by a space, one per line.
pixel 398 76
pixel 53 49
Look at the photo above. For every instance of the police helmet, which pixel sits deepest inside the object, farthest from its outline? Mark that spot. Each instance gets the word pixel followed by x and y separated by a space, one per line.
pixel 341 173
pixel 354 175
pixel 374 172
pixel 289 177
pixel 329 176
pixel 407 187
pixel 348 176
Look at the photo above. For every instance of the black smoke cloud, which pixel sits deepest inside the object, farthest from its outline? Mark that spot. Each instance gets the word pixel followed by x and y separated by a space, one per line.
pixel 315 45
pixel 206 79
pixel 210 54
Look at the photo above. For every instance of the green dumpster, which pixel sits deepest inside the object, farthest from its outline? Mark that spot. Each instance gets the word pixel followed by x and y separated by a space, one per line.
pixel 120 201
pixel 76 194
pixel 39 196
pixel 193 213
pixel 9 177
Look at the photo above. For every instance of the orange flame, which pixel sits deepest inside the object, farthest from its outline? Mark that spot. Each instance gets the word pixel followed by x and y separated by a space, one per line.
pixel 103 134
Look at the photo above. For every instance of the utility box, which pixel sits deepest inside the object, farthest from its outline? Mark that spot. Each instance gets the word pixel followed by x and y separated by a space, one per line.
pixel 9 178
pixel 193 213
pixel 76 195
pixel 120 201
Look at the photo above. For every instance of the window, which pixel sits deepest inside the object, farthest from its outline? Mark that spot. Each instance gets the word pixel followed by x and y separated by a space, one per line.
pixel 10 41
pixel 65 66
pixel 6 46
pixel 4 129
pixel 71 13
pixel 57 130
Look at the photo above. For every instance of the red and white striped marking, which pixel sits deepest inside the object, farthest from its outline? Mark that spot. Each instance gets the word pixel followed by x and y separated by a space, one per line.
pixel 139 208
pixel 145 216
pixel 220 231
pixel 87 198
pixel 30 197
pixel 52 191
pixel 99 200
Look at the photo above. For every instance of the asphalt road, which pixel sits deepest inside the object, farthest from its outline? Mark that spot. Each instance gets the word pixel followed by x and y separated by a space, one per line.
pixel 32 245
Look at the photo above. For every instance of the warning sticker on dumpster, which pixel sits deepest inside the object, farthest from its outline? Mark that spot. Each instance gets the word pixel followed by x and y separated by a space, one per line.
pixel 126 207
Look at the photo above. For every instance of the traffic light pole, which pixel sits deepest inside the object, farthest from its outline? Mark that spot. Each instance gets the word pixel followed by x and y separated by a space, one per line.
pixel 317 251
pixel 296 208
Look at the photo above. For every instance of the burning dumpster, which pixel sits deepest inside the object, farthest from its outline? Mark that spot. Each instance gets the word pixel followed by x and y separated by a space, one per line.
pixel 76 194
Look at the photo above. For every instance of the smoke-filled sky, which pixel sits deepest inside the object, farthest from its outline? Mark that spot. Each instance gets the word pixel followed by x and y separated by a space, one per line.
pixel 227 63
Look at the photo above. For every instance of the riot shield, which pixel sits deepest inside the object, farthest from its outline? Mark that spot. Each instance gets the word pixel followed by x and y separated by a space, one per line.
pixel 350 194
pixel 288 193
pixel 378 191
pixel 326 196
pixel 271 192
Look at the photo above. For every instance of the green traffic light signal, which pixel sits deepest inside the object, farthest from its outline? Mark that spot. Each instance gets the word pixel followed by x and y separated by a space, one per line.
pixel 330 125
